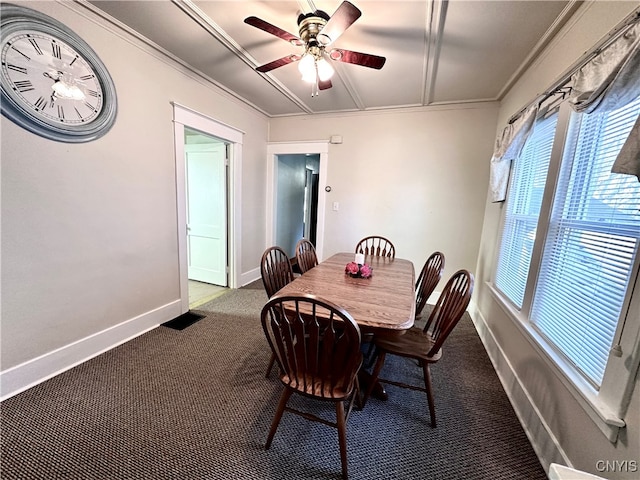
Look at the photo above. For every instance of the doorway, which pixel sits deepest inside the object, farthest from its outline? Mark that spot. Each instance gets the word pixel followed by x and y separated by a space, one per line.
pixel 296 199
pixel 206 141
pixel 296 195
pixel 206 159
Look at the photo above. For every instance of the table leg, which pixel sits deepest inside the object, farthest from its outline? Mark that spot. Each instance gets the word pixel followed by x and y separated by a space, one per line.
pixel 365 379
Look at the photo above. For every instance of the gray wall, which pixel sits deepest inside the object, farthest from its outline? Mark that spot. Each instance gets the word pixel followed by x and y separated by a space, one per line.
pixel 89 231
pixel 290 201
pixel 417 176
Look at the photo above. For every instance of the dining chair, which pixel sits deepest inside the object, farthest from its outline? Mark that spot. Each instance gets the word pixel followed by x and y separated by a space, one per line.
pixel 276 272
pixel 376 246
pixel 306 255
pixel 428 279
pixel 316 344
pixel 424 345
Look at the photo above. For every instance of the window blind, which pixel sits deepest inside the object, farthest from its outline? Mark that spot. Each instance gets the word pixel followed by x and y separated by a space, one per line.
pixel 524 199
pixel 591 244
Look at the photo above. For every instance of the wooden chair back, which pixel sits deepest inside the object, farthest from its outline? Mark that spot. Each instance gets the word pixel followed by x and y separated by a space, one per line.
pixel 449 308
pixel 275 268
pixel 306 255
pixel 316 344
pixel 376 246
pixel 428 279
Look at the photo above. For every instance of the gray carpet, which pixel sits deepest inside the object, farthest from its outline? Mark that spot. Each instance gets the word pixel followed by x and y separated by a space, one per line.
pixel 194 404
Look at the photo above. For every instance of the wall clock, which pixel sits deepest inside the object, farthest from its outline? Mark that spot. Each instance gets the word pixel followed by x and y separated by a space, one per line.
pixel 53 83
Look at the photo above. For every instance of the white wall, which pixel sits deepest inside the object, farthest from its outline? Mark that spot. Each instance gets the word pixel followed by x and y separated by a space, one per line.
pixel 417 176
pixel 560 429
pixel 89 233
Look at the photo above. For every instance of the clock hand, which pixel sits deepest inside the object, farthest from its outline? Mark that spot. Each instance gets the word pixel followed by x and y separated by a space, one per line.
pixel 48 75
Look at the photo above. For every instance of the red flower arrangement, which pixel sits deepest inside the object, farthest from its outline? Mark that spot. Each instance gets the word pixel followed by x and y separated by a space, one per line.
pixel 358 271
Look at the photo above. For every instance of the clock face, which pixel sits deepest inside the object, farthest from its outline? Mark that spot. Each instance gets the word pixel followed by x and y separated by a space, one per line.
pixel 50 78
pixel 52 82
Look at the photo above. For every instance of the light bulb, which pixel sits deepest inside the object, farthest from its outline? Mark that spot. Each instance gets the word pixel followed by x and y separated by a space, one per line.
pixel 325 70
pixel 307 67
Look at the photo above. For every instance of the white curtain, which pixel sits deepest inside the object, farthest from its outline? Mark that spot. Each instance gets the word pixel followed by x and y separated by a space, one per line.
pixel 610 81
pixel 508 146
pixel 628 161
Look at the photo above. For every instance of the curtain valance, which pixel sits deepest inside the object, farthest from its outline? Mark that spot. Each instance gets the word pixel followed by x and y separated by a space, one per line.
pixel 507 148
pixel 607 81
pixel 610 81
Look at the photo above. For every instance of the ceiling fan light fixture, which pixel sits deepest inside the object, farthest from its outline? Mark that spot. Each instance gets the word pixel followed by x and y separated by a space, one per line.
pixel 307 67
pixel 325 70
pixel 318 31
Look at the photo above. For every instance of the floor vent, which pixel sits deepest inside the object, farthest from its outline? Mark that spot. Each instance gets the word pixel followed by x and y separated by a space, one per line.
pixel 183 321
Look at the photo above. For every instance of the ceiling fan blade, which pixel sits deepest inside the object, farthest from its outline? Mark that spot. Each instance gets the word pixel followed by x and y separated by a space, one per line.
pixel 267 67
pixel 343 18
pixel 323 85
pixel 357 58
pixel 273 30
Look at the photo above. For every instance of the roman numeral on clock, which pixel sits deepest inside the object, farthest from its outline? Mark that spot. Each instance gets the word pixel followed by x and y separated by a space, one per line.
pixel 16 68
pixel 23 86
pixel 36 47
pixel 40 103
pixel 18 51
pixel 55 50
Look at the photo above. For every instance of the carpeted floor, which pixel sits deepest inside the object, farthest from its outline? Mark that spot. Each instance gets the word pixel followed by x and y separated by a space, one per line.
pixel 194 404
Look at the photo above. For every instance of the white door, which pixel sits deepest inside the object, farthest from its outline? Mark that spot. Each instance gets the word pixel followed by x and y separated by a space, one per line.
pixel 206 212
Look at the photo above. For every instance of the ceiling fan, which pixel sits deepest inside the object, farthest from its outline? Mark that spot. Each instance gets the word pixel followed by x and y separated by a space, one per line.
pixel 318 31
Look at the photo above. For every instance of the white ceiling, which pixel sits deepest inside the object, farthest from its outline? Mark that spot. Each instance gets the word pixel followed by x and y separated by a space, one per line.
pixel 438 51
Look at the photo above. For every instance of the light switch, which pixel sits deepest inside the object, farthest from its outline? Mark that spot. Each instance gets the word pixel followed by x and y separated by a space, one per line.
pixel 336 206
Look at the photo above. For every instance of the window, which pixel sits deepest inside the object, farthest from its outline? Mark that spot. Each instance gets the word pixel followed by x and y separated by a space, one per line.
pixel 590 245
pixel 523 209
pixel 569 246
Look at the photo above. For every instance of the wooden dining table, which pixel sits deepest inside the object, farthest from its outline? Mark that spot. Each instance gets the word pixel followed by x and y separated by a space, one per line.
pixel 382 303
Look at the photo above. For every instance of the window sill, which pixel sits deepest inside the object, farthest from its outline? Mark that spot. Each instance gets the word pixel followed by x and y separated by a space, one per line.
pixel 587 397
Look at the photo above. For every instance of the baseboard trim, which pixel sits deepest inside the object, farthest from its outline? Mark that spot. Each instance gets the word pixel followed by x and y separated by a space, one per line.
pixel 251 276
pixel 28 374
pixel 544 442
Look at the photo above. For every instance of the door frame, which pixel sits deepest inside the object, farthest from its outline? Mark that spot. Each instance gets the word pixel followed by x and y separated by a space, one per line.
pixel 296 148
pixel 184 116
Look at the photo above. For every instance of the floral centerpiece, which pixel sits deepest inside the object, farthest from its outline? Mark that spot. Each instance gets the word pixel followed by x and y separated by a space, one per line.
pixel 357 270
